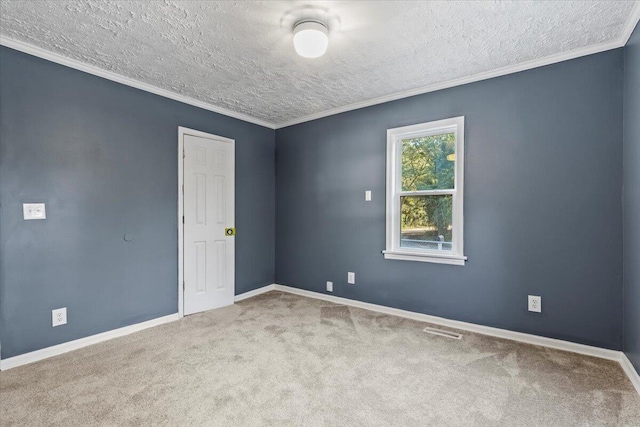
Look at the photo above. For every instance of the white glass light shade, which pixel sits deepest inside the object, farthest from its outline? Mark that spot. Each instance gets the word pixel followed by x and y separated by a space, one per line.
pixel 310 39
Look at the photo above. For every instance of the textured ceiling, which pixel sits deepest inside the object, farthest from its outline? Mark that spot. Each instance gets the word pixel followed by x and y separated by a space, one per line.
pixel 240 56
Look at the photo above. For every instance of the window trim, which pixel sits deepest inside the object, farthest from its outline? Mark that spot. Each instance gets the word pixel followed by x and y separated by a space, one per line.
pixel 394 179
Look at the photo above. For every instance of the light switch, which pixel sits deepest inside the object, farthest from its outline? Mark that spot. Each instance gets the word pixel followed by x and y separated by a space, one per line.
pixel 34 211
pixel 367 195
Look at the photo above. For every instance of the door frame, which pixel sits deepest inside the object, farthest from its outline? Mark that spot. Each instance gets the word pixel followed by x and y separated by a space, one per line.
pixel 182 131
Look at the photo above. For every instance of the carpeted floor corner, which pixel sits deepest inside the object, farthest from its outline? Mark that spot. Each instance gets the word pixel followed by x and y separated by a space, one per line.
pixel 280 359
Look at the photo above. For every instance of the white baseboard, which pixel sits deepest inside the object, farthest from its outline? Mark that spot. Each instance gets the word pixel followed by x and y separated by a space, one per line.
pixel 602 353
pixel 55 350
pixel 630 371
pixel 588 350
pixel 255 292
pixel 471 327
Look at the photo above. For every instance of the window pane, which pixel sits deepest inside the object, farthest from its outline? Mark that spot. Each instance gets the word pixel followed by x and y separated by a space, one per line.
pixel 428 163
pixel 426 222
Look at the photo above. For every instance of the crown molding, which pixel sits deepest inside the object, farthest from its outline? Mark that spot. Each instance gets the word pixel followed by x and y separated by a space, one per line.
pixel 621 41
pixel 109 75
pixel 511 69
pixel 631 25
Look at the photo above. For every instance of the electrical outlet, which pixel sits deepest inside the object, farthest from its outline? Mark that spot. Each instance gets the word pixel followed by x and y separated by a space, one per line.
pixel 329 286
pixel 34 211
pixel 367 196
pixel 535 304
pixel 59 317
pixel 351 278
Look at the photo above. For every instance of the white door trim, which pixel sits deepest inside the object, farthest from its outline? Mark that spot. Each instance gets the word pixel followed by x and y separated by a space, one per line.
pixel 182 131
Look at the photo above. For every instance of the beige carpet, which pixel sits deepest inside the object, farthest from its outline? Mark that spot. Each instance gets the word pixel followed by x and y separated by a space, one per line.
pixel 280 359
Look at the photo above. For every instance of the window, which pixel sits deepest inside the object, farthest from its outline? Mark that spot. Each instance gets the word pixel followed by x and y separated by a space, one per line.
pixel 425 166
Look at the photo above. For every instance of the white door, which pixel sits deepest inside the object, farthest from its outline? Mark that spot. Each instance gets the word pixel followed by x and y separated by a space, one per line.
pixel 209 253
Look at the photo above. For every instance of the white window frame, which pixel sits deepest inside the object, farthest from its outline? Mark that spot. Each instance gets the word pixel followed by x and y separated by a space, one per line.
pixel 394 181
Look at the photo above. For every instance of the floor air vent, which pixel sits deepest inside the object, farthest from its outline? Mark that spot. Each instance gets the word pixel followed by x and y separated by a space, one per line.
pixel 442 333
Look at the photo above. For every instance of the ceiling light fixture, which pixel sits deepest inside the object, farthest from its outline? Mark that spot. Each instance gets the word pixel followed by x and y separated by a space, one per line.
pixel 310 38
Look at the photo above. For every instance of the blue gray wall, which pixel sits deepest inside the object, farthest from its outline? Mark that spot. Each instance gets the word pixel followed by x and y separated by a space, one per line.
pixel 103 157
pixel 542 203
pixel 631 199
pixel 543 189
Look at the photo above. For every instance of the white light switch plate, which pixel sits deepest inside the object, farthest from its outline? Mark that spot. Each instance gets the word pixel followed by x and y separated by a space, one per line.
pixel 329 286
pixel 367 195
pixel 351 278
pixel 34 211
pixel 59 317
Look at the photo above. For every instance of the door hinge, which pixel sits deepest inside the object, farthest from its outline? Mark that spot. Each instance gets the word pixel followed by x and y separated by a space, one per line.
pixel 183 219
pixel 182 188
pixel 183 155
pixel 183 287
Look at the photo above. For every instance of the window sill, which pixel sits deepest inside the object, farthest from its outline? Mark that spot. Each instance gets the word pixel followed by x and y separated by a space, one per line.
pixel 435 258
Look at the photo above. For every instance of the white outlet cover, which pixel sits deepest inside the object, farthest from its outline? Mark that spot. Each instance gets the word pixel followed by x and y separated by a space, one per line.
pixel 351 278
pixel 535 303
pixel 367 195
pixel 329 286
pixel 59 317
pixel 33 211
